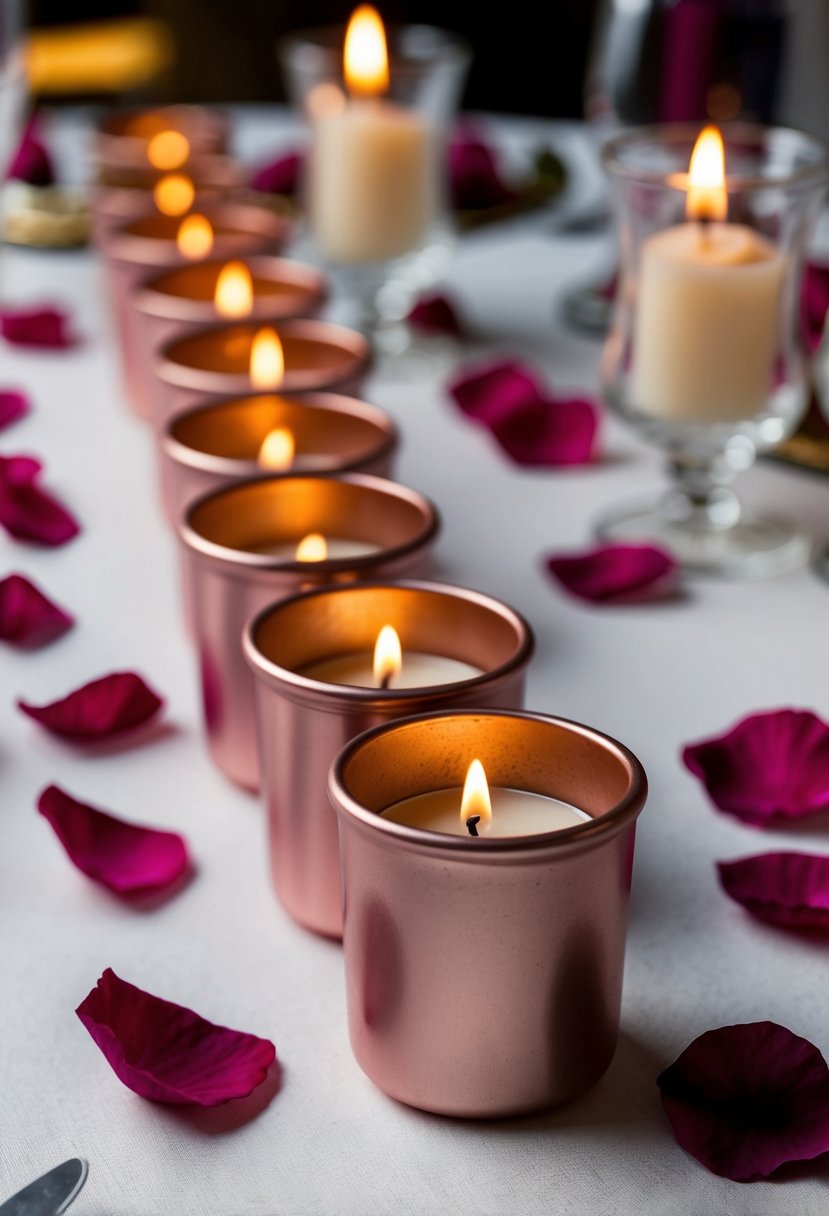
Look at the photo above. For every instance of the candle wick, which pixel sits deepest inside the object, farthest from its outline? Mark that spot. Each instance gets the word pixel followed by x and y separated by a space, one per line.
pixel 472 823
pixel 385 681
pixel 704 222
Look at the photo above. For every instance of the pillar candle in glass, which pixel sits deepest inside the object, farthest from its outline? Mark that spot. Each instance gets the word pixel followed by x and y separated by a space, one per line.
pixel 331 663
pixel 484 972
pixel 256 542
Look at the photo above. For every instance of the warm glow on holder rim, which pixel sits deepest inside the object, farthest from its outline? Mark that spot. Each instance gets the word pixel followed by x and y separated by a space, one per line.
pixel 267 361
pixel 388 656
pixel 195 237
pixel 234 291
pixel 365 56
pixel 476 800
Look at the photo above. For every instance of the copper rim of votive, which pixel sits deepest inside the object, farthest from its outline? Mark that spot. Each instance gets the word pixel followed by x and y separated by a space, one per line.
pixel 157 296
pixel 207 130
pixel 626 785
pixel 246 225
pixel 265 412
pixel 212 176
pixel 203 380
pixel 329 490
pixel 506 641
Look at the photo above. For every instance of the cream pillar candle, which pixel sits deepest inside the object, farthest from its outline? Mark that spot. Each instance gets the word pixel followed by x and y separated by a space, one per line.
pixel 335 547
pixel 514 813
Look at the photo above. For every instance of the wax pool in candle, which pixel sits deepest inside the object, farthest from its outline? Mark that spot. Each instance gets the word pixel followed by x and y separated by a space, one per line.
pixel 514 813
pixel 418 670
pixel 337 547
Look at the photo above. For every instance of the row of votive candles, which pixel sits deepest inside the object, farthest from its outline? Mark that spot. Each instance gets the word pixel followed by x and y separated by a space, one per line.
pixel 485 852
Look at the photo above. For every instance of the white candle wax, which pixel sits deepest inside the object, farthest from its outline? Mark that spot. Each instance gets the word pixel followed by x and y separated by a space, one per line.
pixel 706 322
pixel 337 547
pixel 419 670
pixel 514 813
pixel 372 181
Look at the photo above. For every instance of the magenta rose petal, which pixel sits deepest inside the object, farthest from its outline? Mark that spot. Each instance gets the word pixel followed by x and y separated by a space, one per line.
pixel 474 180
pixel 167 1053
pixel 27 617
pixel 549 434
pixel 614 573
pixel 814 303
pixel 770 768
pixel 788 889
pixel 43 327
pixel 746 1099
pixel 280 176
pixel 100 709
pixel 13 405
pixel 493 391
pixel 436 314
pixel 26 511
pixel 31 162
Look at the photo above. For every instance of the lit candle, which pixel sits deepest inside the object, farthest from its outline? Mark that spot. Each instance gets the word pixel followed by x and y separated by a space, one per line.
pixel 233 296
pixel 168 150
pixel 174 193
pixel 316 548
pixel 477 811
pixel 371 193
pixel 195 238
pixel 707 315
pixel 267 360
pixel 388 666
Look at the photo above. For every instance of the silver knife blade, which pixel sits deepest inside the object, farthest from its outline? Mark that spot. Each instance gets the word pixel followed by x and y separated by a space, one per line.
pixel 50 1194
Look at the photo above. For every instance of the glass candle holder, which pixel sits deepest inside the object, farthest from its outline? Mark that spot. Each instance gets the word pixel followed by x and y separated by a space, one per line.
pixel 704 356
pixel 375 188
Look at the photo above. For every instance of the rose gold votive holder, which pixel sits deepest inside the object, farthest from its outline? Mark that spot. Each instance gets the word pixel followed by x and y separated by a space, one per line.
pixel 228 579
pixel 123 136
pixel 484 976
pixel 183 300
pixel 215 363
pixel 220 441
pixel 304 721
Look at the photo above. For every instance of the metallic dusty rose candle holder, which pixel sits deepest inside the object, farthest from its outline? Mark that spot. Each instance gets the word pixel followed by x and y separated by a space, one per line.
pixel 122 140
pixel 305 721
pixel 214 363
pixel 484 976
pixel 182 301
pixel 218 442
pixel 133 251
pixel 228 579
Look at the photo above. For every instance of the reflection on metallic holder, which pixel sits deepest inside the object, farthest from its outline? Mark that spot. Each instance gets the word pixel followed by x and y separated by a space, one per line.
pixel 218 442
pixel 182 300
pixel 484 975
pixel 123 136
pixel 134 250
pixel 238 547
pixel 304 721
pixel 216 363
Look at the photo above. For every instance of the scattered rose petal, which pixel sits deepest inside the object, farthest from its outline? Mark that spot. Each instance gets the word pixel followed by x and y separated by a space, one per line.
pixel 789 889
pixel 168 1053
pixel 45 327
pixel 474 180
pixel 770 767
pixel 814 303
pixel 613 573
pixel 280 176
pixel 494 391
pixel 31 162
pixel 105 707
pixel 13 405
pixel 436 315
pixel 549 433
pixel 27 617
pixel 26 511
pixel 128 858
pixel 746 1099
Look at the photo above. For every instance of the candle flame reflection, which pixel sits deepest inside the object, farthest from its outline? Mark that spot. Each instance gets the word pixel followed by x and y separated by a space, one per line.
pixel 174 194
pixel 267 362
pixel 277 450
pixel 195 237
pixel 707 195
pixel 168 150
pixel 476 800
pixel 388 656
pixel 312 548
pixel 366 59
pixel 234 291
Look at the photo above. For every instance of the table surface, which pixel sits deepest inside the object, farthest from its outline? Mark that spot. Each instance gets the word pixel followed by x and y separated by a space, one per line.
pixel 656 677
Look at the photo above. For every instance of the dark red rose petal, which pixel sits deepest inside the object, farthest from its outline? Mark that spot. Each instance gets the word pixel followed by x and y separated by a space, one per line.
pixel 44 327
pixel 167 1053
pixel 105 707
pixel 13 405
pixel 31 162
pixel 436 315
pixel 771 767
pixel 26 511
pixel 746 1099
pixel 128 858
pixel 494 391
pixel 280 176
pixel 789 889
pixel 547 434
pixel 814 303
pixel 474 180
pixel 613 573
pixel 27 617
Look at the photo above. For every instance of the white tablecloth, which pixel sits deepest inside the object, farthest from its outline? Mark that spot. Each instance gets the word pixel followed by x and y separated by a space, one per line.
pixel 330 1144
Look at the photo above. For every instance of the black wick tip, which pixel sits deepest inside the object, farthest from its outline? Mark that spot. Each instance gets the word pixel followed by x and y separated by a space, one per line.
pixel 472 823
pixel 385 681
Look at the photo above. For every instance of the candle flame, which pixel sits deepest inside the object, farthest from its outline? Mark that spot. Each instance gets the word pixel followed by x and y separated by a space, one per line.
pixel 476 800
pixel 174 194
pixel 365 56
pixel 388 656
pixel 168 150
pixel 312 548
pixel 707 196
pixel 234 291
pixel 267 362
pixel 195 237
pixel 277 450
